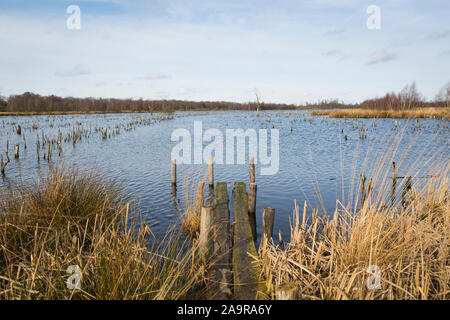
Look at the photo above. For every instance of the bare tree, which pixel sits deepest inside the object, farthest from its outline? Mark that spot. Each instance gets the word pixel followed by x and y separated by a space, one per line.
pixel 257 103
pixel 410 97
pixel 443 95
pixel 3 103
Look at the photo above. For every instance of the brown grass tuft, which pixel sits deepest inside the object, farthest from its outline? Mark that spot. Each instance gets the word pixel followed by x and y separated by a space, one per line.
pixel 73 219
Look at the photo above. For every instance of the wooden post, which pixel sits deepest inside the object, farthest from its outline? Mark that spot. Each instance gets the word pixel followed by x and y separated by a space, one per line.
pixel 220 288
pixel 200 197
pixel 211 172
pixel 406 189
pixel 49 152
pixel 394 182
pixel 252 170
pixel 246 272
pixel 205 238
pixel 267 223
pixel 288 291
pixel 16 151
pixel 369 192
pixel 363 189
pixel 252 209
pixel 173 165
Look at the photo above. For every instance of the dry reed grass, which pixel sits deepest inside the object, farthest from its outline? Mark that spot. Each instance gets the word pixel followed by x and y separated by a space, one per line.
pixel 436 113
pixel 193 200
pixel 328 256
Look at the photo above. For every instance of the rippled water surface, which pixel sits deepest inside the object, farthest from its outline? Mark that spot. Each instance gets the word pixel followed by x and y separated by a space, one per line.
pixel 320 158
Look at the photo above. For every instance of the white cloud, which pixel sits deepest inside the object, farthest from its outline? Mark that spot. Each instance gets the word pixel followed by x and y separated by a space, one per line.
pixel 438 35
pixel 77 70
pixel 333 32
pixel 155 76
pixel 332 53
pixel 337 54
pixel 381 56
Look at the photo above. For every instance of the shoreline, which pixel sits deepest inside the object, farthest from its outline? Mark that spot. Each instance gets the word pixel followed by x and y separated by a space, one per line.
pixel 54 113
pixel 419 113
pixel 355 113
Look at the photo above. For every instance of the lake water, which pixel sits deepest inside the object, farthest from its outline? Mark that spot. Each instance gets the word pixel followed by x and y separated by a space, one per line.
pixel 320 158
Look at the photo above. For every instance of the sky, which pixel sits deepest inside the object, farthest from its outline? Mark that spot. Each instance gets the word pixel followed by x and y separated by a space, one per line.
pixel 288 51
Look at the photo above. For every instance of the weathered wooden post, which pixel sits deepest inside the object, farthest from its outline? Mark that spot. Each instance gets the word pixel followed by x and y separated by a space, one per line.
pixel 200 197
pixel 267 223
pixel 211 172
pixel 363 188
pixel 49 155
pixel 252 170
pixel 205 238
pixel 174 190
pixel 252 209
pixel 173 166
pixel 221 268
pixel 16 151
pixel 246 273
pixel 394 182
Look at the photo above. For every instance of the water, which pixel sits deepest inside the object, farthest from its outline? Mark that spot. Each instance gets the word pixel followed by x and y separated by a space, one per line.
pixel 317 163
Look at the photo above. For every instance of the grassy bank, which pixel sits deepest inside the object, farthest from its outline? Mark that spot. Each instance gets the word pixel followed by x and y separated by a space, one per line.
pixel 436 113
pixel 82 220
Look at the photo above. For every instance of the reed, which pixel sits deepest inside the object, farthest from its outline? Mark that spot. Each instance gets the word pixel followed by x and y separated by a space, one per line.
pixel 332 257
pixel 70 219
pixel 192 204
pixel 435 113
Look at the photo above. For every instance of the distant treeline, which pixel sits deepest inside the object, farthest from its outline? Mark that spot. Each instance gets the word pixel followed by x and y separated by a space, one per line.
pixel 30 102
pixel 408 98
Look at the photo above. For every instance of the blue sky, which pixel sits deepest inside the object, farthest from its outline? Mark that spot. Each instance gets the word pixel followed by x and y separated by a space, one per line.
pixel 289 51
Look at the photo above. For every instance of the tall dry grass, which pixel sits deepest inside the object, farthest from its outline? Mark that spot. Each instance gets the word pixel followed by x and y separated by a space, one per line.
pixel 73 219
pixel 193 200
pixel 329 257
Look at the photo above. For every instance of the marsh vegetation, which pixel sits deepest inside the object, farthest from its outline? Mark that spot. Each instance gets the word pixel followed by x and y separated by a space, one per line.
pixel 134 240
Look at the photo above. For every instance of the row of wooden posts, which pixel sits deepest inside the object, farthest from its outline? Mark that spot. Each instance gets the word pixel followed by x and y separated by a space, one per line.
pixel 173 167
pixel 227 244
pixel 268 213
